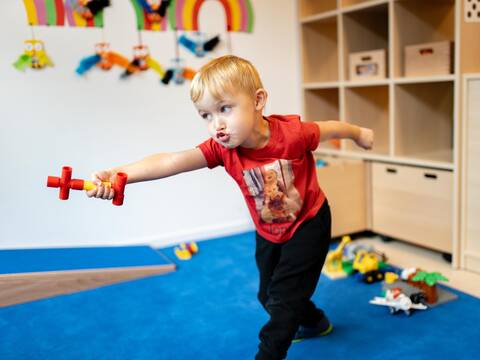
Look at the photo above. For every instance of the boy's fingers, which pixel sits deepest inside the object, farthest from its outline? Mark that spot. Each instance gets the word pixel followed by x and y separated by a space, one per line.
pixel 91 193
pixel 100 190
pixel 111 195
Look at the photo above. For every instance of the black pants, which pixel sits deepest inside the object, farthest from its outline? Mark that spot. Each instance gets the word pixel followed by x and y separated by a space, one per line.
pixel 289 274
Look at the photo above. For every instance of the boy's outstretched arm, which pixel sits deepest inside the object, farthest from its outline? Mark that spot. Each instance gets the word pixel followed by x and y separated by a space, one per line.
pixel 152 167
pixel 333 129
pixel 163 165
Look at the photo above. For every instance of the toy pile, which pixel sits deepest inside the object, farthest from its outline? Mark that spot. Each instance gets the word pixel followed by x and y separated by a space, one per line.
pixel 403 290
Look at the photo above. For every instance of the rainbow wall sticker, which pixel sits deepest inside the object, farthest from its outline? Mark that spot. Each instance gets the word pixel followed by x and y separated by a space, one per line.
pixel 183 14
pixel 74 19
pixel 45 12
pixel 143 20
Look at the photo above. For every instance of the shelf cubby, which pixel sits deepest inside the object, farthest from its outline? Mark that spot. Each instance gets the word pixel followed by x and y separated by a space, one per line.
pixel 350 3
pixel 320 50
pixel 424 121
pixel 369 107
pixel 314 7
pixel 418 22
pixel 364 30
pixel 320 105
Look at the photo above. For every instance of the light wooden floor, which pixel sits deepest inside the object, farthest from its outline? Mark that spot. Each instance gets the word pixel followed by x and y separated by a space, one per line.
pixel 404 255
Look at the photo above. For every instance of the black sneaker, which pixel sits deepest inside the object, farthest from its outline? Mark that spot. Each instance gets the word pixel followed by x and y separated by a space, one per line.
pixel 324 327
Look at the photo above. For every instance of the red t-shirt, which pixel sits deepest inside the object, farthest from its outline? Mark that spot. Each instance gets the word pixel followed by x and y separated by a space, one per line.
pixel 278 181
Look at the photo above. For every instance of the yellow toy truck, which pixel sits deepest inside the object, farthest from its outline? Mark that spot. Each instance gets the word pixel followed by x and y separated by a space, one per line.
pixel 367 264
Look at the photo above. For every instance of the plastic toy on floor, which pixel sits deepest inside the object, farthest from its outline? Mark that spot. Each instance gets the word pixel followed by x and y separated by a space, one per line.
pixel 425 281
pixel 185 251
pixel 65 183
pixel 333 262
pixel 34 56
pixel 367 263
pixel 103 58
pixel 396 301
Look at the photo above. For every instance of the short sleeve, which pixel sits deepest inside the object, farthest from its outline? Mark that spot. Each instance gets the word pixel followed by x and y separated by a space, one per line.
pixel 311 134
pixel 212 152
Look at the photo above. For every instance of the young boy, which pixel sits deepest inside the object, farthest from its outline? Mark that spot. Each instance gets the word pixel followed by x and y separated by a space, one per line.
pixel 270 158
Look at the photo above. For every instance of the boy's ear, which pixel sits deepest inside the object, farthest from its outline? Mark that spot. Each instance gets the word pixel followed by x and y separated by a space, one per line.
pixel 261 96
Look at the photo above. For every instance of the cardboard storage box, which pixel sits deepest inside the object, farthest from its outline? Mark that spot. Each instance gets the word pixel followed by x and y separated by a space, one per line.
pixel 429 59
pixel 368 65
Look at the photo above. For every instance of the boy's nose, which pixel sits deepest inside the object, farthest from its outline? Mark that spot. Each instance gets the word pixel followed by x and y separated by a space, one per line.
pixel 219 125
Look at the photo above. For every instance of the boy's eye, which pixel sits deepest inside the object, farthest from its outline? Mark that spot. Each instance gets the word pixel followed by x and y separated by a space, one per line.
pixel 207 116
pixel 225 108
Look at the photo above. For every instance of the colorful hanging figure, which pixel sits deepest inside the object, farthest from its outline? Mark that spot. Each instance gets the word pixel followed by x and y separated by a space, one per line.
pixel 103 58
pixel 34 56
pixel 198 46
pixel 155 9
pixel 88 9
pixel 184 15
pixel 142 61
pixel 178 73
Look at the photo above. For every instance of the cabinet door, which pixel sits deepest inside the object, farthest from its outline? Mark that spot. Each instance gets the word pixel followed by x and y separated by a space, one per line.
pixel 471 174
pixel 344 184
pixel 413 204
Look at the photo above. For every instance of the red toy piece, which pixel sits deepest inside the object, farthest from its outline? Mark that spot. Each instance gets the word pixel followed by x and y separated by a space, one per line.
pixel 65 183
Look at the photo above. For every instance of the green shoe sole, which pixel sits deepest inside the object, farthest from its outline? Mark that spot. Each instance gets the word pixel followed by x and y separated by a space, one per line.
pixel 323 333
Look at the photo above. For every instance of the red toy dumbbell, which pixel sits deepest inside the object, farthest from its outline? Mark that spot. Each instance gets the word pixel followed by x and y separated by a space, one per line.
pixel 65 183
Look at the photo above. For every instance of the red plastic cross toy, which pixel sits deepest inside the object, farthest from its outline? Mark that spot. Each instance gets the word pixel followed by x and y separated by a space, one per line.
pixel 65 183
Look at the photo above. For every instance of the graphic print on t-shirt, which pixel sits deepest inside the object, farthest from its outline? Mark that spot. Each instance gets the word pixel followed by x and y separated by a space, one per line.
pixel 272 186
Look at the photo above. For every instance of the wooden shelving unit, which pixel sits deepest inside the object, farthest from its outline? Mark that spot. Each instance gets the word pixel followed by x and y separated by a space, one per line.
pixel 415 119
pixel 331 30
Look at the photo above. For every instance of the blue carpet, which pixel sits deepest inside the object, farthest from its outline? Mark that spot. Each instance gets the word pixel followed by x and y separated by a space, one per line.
pixel 56 259
pixel 208 310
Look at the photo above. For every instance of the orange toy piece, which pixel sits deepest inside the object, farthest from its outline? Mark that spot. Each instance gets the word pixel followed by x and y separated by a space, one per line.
pixel 189 73
pixel 65 183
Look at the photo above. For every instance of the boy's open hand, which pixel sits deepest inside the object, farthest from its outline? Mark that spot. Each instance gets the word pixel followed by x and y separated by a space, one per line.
pixel 365 139
pixel 102 191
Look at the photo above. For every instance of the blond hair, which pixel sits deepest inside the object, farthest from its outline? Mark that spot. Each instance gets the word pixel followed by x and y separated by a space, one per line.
pixel 226 74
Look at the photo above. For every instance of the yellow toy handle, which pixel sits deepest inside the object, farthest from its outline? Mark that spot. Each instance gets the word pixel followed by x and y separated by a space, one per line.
pixel 89 185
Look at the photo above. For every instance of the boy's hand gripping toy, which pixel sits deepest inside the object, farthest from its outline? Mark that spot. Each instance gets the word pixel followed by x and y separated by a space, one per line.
pixel 65 183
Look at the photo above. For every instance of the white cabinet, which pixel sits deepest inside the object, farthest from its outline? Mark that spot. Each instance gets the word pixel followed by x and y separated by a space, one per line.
pixel 470 207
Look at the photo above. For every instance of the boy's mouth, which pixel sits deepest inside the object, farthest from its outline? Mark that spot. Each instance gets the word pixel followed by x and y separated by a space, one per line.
pixel 223 137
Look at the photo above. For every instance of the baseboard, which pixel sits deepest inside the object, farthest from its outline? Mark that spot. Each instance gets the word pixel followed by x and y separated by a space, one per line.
pixel 160 240
pixel 200 233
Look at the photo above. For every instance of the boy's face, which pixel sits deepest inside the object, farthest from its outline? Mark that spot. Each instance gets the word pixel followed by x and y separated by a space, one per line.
pixel 230 120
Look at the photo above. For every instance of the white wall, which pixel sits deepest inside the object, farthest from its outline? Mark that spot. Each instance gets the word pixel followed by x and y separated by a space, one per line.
pixel 52 118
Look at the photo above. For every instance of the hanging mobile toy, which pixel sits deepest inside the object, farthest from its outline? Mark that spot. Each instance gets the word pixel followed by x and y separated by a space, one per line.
pixel 184 15
pixel 103 58
pixel 178 73
pixel 142 61
pixel 88 9
pixel 155 9
pixel 34 56
pixel 39 13
pixel 199 47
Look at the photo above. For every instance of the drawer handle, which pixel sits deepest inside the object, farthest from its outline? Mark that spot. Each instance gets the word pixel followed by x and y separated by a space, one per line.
pixel 392 170
pixel 430 176
pixel 366 58
pixel 426 51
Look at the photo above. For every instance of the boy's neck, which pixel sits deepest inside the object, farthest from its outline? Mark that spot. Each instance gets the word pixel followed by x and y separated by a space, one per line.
pixel 260 134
